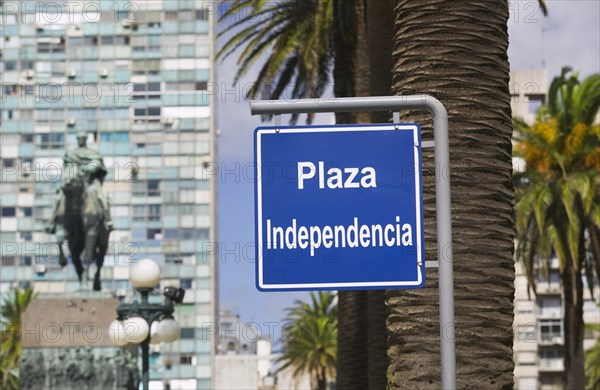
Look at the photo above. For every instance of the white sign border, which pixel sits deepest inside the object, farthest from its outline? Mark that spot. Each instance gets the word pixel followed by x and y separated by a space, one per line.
pixel 337 128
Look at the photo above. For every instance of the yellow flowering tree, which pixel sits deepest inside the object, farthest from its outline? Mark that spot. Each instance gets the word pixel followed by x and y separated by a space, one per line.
pixel 13 304
pixel 558 200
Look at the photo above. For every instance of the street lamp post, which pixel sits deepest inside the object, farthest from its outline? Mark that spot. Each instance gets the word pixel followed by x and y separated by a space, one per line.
pixel 143 322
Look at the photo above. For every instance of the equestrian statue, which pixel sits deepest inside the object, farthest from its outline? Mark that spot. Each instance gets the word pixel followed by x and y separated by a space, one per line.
pixel 82 212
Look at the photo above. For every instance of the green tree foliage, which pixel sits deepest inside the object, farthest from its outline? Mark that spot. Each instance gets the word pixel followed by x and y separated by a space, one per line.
pixel 292 38
pixel 558 199
pixel 14 304
pixel 310 344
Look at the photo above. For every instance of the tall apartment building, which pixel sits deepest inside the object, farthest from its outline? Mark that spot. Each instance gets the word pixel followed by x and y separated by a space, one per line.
pixel 134 75
pixel 539 331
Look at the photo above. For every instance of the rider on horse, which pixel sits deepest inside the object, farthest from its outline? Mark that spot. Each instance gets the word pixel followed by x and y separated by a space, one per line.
pixel 85 165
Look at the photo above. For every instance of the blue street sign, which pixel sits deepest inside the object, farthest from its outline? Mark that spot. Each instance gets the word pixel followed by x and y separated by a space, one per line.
pixel 339 207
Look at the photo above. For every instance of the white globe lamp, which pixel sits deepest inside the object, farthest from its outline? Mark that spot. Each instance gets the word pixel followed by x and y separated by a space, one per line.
pixel 116 332
pixel 168 330
pixel 154 336
pixel 144 274
pixel 136 329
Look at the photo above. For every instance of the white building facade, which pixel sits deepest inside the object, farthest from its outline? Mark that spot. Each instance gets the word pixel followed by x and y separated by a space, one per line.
pixel 245 360
pixel 135 76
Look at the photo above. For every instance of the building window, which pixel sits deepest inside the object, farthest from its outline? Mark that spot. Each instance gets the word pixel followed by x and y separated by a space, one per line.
pixel 202 15
pixel 154 212
pixel 51 141
pixel 8 163
pixel 51 44
pixel 551 358
pixel 550 330
pixel 187 333
pixel 154 234
pixel 139 213
pixel 550 306
pixel 153 187
pixel 9 260
pixel 147 87
pixel 186 283
pixel 148 188
pixel 186 234
pixel 11 89
pixel 186 359
pixel 173 259
pixel 9 211
pixel 107 40
pixel 26 211
pixel 120 136
pixel 10 65
pixel 203 234
pixel 75 41
pixel 150 111
pixel 154 44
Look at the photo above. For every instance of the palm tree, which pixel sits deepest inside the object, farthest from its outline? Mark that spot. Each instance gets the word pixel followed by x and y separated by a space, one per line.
pixel 363 63
pixel 14 304
pixel 558 207
pixel 297 35
pixel 456 50
pixel 310 345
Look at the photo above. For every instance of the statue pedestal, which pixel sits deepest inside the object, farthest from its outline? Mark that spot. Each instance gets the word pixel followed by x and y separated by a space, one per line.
pixel 66 344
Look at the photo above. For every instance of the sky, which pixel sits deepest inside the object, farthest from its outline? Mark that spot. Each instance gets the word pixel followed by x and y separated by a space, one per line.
pixel 569 35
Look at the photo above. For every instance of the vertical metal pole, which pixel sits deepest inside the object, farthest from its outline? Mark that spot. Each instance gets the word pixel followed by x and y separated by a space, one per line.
pixel 146 363
pixel 445 256
pixel 145 345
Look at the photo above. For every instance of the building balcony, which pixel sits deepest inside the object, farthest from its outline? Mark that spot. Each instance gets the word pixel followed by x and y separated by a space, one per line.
pixel 545 288
pixel 551 365
pixel 549 314
pixel 551 339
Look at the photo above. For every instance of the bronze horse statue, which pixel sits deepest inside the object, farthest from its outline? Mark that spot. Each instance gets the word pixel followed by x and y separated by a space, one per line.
pixel 83 220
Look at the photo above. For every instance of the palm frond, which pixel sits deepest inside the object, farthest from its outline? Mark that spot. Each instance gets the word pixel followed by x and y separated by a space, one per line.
pixel 310 347
pixel 293 38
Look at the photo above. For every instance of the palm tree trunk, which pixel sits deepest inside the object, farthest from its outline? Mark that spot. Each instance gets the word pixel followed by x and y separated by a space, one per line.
pixel 322 379
pixel 574 355
pixel 380 42
pixel 352 341
pixel 574 376
pixel 363 68
pixel 378 362
pixel 456 50
pixel 350 79
pixel 380 36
